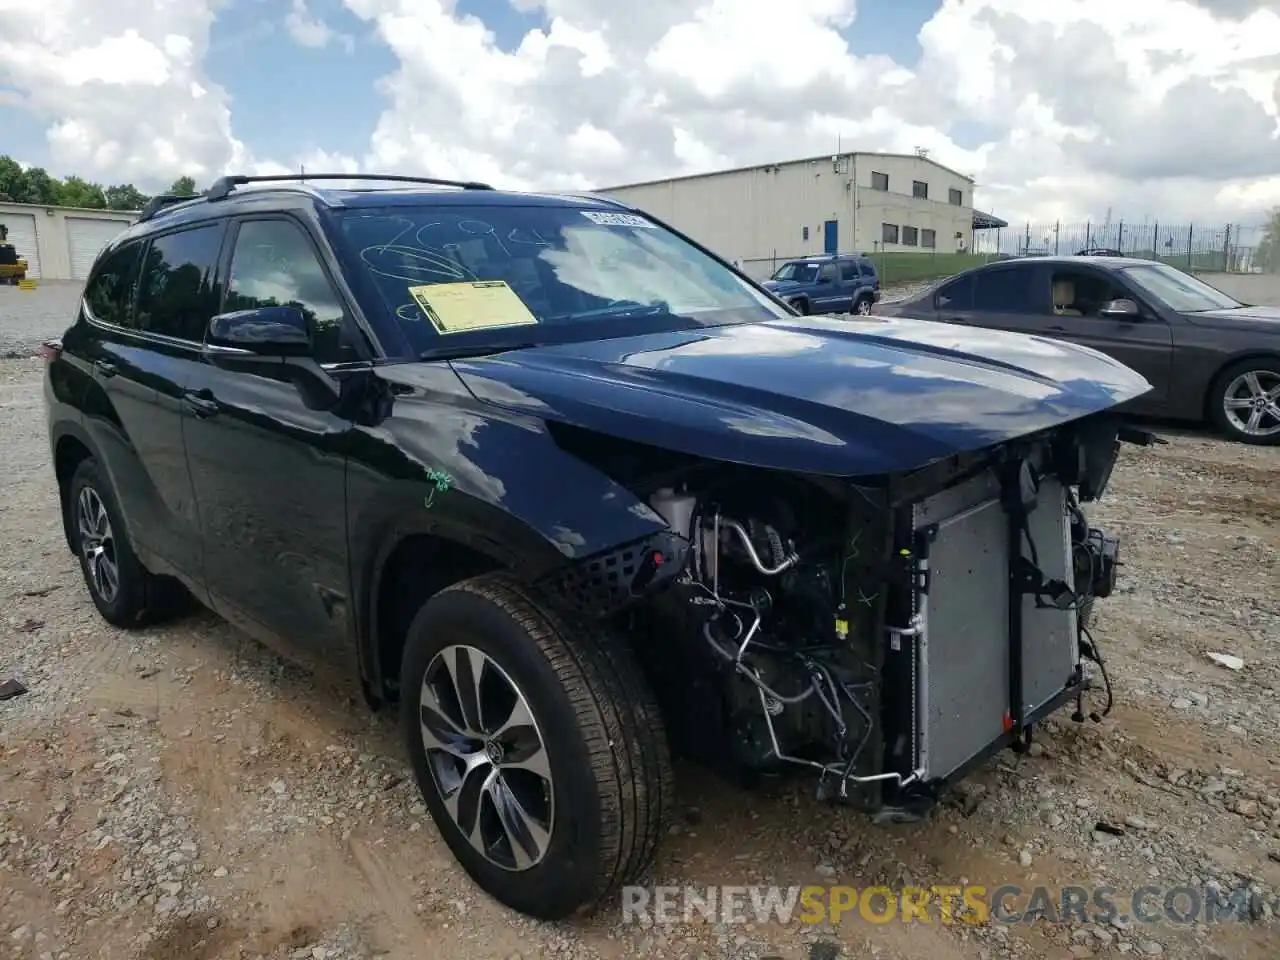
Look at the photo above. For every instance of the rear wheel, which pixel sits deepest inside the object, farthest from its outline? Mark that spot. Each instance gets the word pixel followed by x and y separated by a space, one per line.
pixel 862 306
pixel 124 591
pixel 1245 403
pixel 538 749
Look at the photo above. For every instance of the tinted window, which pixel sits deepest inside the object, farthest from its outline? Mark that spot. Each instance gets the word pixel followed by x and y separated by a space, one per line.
pixel 179 293
pixel 275 264
pixel 110 291
pixel 1003 291
pixel 828 272
pixel 867 268
pixel 957 295
pixel 849 270
pixel 454 274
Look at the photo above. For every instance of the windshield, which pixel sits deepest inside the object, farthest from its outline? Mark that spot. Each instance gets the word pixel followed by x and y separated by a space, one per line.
pixel 456 276
pixel 1179 291
pixel 800 272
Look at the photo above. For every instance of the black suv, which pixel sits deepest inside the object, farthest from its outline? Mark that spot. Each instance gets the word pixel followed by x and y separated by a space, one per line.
pixel 572 491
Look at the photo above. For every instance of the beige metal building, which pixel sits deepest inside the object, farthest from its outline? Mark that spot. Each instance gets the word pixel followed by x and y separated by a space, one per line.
pixel 60 243
pixel 871 202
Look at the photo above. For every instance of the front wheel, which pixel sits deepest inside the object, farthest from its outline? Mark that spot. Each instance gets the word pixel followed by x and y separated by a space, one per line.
pixel 800 306
pixel 1245 403
pixel 538 749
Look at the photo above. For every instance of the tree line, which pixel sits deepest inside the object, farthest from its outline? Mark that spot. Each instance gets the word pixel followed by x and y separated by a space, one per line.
pixel 37 185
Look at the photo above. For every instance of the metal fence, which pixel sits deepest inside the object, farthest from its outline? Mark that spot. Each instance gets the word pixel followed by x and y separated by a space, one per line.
pixel 1220 248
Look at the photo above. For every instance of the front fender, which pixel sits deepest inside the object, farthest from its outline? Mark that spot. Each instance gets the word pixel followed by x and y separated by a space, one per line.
pixel 441 464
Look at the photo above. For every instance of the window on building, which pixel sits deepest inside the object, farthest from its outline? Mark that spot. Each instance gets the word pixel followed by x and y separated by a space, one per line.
pixel 274 265
pixel 928 239
pixel 955 197
pixel 910 237
pixel 889 232
pixel 879 181
pixel 110 292
pixel 920 189
pixel 1004 290
pixel 804 233
pixel 179 293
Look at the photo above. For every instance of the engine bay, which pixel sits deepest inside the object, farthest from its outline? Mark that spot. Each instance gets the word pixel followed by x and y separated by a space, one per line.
pixel 829 627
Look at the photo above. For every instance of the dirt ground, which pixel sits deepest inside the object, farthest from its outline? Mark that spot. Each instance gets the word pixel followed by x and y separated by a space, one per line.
pixel 183 793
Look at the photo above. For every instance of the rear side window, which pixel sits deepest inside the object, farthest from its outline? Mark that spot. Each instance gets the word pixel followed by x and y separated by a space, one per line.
pixel 180 292
pixel 1003 291
pixel 849 270
pixel 957 295
pixel 110 292
pixel 275 265
pixel 868 269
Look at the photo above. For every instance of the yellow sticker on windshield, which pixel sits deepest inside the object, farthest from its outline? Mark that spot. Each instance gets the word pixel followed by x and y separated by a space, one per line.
pixel 472 305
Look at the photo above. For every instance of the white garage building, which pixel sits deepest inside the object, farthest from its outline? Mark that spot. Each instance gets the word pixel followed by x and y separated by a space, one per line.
pixel 60 243
pixel 870 202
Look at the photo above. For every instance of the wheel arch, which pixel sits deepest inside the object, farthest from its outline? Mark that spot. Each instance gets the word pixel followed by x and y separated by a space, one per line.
pixel 1216 378
pixel 71 447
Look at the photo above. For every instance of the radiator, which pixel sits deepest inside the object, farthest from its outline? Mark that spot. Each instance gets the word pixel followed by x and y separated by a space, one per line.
pixel 961 625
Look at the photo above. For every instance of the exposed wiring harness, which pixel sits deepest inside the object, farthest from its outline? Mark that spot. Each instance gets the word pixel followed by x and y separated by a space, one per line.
pixel 1089 649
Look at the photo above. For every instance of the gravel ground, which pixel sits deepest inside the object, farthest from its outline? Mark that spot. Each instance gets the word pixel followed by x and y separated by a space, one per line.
pixel 180 792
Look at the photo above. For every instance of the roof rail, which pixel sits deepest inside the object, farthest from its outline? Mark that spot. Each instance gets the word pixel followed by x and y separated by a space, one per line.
pixel 223 186
pixel 162 202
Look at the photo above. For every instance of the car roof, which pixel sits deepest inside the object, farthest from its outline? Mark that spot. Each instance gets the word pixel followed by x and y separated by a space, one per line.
pixel 825 257
pixel 230 194
pixel 1066 260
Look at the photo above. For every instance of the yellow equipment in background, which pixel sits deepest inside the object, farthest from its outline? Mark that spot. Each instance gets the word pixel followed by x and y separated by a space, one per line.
pixel 13 269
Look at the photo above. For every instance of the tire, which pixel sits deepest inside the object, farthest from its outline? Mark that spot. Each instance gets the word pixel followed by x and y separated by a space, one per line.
pixel 862 306
pixel 801 306
pixel 1254 382
pixel 609 796
pixel 138 598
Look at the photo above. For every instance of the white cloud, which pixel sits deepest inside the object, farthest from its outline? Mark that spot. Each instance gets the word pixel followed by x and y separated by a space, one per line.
pixel 310 31
pixel 1165 108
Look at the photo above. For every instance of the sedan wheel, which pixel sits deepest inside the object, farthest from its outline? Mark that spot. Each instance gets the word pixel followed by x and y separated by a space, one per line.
pixel 487 757
pixel 1248 403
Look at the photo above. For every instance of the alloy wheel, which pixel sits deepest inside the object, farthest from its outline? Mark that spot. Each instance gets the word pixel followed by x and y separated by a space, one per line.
pixel 1251 403
pixel 487 757
pixel 863 308
pixel 98 544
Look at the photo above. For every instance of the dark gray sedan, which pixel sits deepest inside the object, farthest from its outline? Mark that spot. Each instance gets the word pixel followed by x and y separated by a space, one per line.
pixel 1207 355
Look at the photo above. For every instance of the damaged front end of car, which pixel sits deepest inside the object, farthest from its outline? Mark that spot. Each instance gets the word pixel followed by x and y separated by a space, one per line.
pixel 886 634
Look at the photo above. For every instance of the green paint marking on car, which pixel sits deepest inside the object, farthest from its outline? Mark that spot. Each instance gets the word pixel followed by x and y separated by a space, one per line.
pixel 441 482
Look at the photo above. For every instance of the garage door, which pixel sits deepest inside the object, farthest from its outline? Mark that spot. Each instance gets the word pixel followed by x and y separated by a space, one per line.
pixel 86 237
pixel 22 234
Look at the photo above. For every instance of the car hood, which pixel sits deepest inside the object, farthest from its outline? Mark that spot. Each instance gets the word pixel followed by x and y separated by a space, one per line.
pixel 783 285
pixel 811 394
pixel 1249 316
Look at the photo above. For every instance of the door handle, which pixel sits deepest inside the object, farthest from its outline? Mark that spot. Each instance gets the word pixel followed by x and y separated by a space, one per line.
pixel 199 406
pixel 104 368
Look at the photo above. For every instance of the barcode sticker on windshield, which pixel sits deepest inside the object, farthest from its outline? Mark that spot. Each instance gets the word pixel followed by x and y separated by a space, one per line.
pixel 616 219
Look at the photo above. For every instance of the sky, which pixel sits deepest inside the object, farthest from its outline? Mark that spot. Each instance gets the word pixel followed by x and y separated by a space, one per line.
pixel 1168 109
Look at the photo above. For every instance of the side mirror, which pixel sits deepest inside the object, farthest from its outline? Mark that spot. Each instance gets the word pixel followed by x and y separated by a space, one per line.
pixel 1120 309
pixel 263 331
